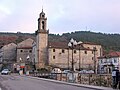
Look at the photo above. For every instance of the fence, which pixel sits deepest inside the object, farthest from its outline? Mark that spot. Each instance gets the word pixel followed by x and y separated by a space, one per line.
pixel 89 79
pixel 95 79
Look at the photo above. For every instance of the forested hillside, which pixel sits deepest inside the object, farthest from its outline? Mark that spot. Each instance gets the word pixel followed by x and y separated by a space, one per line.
pixel 108 41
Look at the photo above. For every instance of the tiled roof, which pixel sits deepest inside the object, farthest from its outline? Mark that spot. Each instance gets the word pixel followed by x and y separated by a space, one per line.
pixel 24 47
pixel 114 54
pixel 9 46
pixel 58 45
pixel 111 54
pixel 25 44
pixel 91 43
pixel 64 45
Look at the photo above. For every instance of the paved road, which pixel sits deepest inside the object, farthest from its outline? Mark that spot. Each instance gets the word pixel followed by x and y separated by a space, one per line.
pixel 16 82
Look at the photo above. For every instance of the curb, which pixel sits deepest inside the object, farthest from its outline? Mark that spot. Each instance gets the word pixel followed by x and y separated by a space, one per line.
pixel 72 84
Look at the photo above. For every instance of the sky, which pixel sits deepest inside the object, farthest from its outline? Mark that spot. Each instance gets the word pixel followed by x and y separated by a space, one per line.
pixel 62 15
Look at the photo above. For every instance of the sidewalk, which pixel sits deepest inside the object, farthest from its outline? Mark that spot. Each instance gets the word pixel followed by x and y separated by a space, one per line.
pixel 73 84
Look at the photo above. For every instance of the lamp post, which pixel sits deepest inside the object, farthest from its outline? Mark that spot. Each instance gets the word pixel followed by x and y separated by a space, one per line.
pixel 72 45
pixel 79 43
pixel 94 50
pixel 34 65
pixel 68 58
pixel 27 62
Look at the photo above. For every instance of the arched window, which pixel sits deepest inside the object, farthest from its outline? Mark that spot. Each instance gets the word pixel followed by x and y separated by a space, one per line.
pixel 43 16
pixel 43 24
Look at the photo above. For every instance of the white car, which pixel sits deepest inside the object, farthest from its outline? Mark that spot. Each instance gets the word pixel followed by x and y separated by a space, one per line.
pixel 86 72
pixel 91 71
pixel 5 72
pixel 56 70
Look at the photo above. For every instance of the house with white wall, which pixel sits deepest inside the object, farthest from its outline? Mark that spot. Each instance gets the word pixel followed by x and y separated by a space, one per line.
pixel 108 62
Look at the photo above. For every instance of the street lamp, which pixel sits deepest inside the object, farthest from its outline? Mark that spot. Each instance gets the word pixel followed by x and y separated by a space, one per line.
pixel 34 64
pixel 68 58
pixel 94 50
pixel 79 43
pixel 72 45
pixel 27 62
pixel 28 57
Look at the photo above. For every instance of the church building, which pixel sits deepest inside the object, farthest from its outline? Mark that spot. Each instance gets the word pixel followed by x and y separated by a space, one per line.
pixel 59 54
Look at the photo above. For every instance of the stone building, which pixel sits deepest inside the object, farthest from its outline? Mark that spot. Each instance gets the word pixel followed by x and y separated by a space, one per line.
pixel 8 55
pixel 24 54
pixel 58 54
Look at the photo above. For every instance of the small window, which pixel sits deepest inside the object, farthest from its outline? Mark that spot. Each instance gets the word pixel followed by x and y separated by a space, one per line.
pixel 30 51
pixel 92 58
pixel 85 52
pixel 43 24
pixel 21 50
pixel 43 16
pixel 115 61
pixel 75 51
pixel 53 57
pixel 63 51
pixel 53 50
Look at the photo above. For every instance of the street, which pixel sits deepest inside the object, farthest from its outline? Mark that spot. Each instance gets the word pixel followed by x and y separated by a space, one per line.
pixel 16 82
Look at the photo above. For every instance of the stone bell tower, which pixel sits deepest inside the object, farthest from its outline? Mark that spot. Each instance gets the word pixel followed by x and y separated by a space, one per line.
pixel 42 41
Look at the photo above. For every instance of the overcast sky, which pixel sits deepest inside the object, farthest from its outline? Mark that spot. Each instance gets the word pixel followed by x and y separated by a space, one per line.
pixel 63 15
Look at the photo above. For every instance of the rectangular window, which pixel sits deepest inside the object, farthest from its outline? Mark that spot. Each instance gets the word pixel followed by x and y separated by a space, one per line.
pixel 85 52
pixel 53 50
pixel 63 51
pixel 75 51
pixel 115 61
pixel 53 57
pixel 92 58
pixel 21 50
pixel 30 51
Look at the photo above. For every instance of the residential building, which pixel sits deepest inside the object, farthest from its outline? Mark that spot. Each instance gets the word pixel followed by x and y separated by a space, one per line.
pixel 108 62
pixel 24 54
pixel 8 55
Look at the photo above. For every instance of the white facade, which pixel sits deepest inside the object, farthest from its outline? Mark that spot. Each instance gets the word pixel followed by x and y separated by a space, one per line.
pixel 107 64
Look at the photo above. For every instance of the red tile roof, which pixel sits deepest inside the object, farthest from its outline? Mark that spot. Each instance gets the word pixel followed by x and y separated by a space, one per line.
pixel 114 54
pixel 111 54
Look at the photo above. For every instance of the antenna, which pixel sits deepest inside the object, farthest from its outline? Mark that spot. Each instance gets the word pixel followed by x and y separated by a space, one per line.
pixel 42 4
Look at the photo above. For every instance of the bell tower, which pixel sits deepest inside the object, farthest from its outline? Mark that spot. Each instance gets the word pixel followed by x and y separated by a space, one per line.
pixel 42 41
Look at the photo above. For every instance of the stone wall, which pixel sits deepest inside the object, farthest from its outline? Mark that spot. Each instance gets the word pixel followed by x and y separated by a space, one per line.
pixel 61 59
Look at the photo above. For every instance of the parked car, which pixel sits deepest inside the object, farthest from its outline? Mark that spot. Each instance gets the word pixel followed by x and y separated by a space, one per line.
pixel 91 71
pixel 56 70
pixel 5 72
pixel 66 71
pixel 86 71
pixel 83 71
